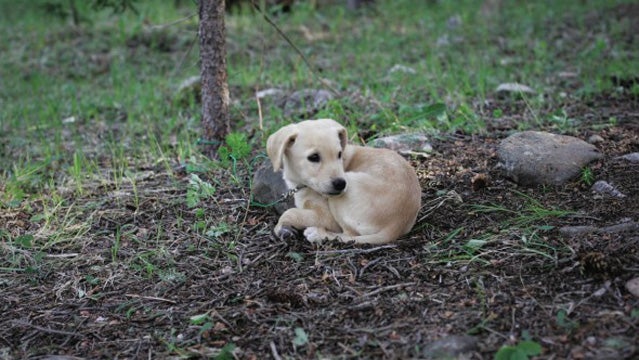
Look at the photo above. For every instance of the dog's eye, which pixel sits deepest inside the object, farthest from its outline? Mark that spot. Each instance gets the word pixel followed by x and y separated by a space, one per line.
pixel 314 158
pixel 339 155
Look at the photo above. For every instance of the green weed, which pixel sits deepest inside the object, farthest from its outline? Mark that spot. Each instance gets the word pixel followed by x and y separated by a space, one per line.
pixel 523 350
pixel 562 320
pixel 115 247
pixel 521 231
pixel 531 213
pixel 587 176
pixel 236 148
pixel 198 190
pixel 301 337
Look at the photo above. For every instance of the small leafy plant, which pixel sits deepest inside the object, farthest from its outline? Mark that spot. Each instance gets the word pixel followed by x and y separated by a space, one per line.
pixel 236 148
pixel 587 176
pixel 198 190
pixel 563 321
pixel 301 338
pixel 523 350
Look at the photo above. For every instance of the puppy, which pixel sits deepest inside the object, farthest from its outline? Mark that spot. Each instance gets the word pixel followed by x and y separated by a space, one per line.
pixel 342 192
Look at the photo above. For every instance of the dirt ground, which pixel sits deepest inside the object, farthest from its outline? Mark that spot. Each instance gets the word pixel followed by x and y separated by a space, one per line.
pixel 487 258
pixel 501 276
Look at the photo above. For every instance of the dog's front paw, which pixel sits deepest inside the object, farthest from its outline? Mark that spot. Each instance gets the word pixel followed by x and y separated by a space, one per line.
pixel 314 234
pixel 286 233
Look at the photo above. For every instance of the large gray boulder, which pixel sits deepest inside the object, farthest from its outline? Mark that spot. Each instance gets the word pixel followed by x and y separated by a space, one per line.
pixel 541 158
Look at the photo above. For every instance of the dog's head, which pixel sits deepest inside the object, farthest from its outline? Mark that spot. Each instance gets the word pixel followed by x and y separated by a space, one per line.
pixel 311 154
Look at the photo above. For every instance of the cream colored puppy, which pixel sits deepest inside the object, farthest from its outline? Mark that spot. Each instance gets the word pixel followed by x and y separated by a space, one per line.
pixel 345 192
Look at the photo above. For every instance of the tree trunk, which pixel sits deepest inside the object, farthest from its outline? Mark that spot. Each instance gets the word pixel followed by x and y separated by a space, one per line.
pixel 215 90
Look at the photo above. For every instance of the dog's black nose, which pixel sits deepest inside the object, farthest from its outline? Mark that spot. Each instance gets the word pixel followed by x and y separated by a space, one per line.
pixel 339 184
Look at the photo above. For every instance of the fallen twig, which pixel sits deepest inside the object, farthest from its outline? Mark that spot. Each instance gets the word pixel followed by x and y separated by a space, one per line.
pixel 47 330
pixel 386 288
pixel 150 298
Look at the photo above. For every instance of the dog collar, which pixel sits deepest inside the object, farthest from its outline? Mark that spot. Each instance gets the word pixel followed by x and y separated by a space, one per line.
pixel 292 192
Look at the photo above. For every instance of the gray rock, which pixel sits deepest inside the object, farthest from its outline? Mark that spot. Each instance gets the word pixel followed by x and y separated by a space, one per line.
pixel 402 68
pixel 404 143
pixel 633 286
pixel 624 227
pixel 514 88
pixel 534 157
pixel 454 22
pixel 446 40
pixel 595 139
pixel 450 346
pixel 267 93
pixel 269 188
pixel 574 231
pixel 306 102
pixel 271 98
pixel 604 188
pixel 632 157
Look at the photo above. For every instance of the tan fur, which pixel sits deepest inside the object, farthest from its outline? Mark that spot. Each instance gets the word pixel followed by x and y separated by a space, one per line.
pixel 378 203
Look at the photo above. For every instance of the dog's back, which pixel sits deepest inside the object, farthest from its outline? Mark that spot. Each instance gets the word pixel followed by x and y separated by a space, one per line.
pixel 383 181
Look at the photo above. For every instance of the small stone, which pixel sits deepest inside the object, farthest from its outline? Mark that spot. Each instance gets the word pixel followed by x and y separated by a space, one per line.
pixel 446 40
pixel 624 227
pixel 573 231
pixel 269 188
pixel 404 143
pixel 604 188
pixel 306 102
pixel 632 286
pixel 632 157
pixel 567 74
pixel 601 292
pixel 595 139
pixel 402 68
pixel 269 93
pixel 541 158
pixel 450 346
pixel 69 120
pixel 514 88
pixel 454 22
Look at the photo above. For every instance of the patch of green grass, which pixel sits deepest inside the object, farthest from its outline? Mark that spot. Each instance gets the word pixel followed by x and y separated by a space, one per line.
pixel 448 46
pixel 520 231
pixel 530 213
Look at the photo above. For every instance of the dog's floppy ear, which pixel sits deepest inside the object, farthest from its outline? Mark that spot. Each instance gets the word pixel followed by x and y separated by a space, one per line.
pixel 278 142
pixel 341 130
pixel 343 136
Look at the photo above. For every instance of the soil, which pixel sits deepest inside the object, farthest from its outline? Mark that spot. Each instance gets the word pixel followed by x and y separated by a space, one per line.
pixel 146 276
pixel 501 276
